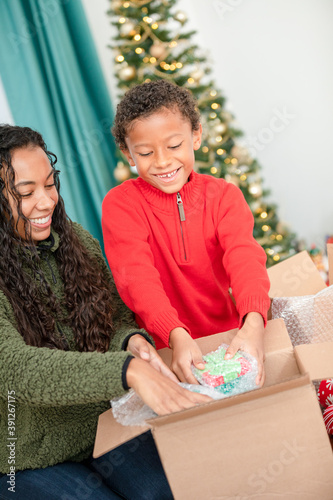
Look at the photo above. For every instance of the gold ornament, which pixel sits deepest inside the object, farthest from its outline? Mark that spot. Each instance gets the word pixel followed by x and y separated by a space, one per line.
pixel 255 189
pixel 127 73
pixel 127 28
pixel 121 172
pixel 180 16
pixel 220 128
pixel 158 50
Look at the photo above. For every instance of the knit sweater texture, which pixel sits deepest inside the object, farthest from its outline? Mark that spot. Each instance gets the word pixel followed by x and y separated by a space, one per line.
pixel 174 272
pixel 58 394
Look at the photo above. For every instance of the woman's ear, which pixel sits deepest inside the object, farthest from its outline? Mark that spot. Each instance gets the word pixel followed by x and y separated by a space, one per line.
pixel 197 138
pixel 129 157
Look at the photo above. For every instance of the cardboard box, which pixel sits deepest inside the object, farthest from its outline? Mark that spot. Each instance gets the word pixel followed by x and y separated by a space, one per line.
pixel 295 276
pixel 268 443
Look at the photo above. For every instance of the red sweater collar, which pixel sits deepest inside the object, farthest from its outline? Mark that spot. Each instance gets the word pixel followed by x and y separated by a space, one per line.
pixel 190 193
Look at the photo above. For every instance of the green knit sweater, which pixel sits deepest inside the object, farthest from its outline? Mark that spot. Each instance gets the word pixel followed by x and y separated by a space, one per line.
pixel 50 399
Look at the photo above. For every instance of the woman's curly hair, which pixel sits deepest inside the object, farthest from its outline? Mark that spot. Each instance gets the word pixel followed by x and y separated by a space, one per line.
pixel 148 98
pixel 88 294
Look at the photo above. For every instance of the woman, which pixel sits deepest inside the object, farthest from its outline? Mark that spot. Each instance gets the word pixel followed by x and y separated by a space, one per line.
pixel 66 346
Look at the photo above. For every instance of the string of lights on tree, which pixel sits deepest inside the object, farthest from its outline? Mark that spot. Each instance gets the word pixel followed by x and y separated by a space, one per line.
pixel 151 44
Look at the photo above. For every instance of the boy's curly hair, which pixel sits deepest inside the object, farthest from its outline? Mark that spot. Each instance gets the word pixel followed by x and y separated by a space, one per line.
pixel 148 98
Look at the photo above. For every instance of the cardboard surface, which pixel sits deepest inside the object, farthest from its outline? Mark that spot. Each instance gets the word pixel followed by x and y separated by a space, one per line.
pixel 316 360
pixel 111 434
pixel 295 277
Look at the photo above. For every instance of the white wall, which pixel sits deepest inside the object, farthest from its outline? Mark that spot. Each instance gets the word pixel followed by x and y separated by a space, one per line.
pixel 269 58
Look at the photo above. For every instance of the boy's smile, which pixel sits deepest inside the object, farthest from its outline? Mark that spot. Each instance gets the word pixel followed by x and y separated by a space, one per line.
pixel 161 147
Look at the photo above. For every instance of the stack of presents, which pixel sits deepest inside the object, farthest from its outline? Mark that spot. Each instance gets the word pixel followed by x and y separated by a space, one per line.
pixel 272 442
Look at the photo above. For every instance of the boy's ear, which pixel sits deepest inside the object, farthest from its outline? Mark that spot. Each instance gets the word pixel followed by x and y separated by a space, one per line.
pixel 197 138
pixel 129 157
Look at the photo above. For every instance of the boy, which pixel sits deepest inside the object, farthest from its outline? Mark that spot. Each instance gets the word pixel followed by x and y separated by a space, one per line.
pixel 176 241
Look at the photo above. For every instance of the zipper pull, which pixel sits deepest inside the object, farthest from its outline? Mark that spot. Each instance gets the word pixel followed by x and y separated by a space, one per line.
pixel 180 207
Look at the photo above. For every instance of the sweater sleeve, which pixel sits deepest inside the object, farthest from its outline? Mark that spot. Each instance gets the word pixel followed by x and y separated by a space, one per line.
pixel 244 259
pixel 126 242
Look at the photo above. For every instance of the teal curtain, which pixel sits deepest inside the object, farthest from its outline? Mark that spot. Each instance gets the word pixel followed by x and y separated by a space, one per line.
pixel 54 84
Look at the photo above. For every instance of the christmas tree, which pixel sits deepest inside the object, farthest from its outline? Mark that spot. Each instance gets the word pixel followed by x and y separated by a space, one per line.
pixel 150 44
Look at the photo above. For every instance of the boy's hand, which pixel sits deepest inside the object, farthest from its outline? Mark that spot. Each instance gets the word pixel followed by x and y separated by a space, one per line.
pixel 159 392
pixel 250 338
pixel 185 351
pixel 140 348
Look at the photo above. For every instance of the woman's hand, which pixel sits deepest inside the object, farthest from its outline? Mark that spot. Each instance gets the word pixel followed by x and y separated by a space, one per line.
pixel 159 392
pixel 250 338
pixel 185 351
pixel 140 348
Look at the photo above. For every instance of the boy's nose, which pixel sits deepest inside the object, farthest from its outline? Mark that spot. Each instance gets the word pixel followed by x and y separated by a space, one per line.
pixel 162 160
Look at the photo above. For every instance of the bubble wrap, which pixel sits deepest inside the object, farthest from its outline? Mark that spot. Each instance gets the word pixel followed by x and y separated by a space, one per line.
pixel 229 377
pixel 131 410
pixel 309 319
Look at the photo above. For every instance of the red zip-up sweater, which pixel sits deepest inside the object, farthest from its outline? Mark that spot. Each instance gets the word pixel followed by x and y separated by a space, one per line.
pixel 175 256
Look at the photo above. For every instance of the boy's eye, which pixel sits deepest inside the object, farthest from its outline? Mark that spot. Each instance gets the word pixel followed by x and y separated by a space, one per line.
pixel 178 145
pixel 144 154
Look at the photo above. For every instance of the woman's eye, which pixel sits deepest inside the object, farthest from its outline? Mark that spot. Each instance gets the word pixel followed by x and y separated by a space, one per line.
pixel 178 145
pixel 50 185
pixel 25 195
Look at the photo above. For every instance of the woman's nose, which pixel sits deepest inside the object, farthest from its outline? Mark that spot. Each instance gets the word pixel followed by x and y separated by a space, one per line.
pixel 45 201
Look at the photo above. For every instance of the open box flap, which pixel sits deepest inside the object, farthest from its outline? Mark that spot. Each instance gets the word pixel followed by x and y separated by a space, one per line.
pixel 315 359
pixel 111 433
pixel 295 276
